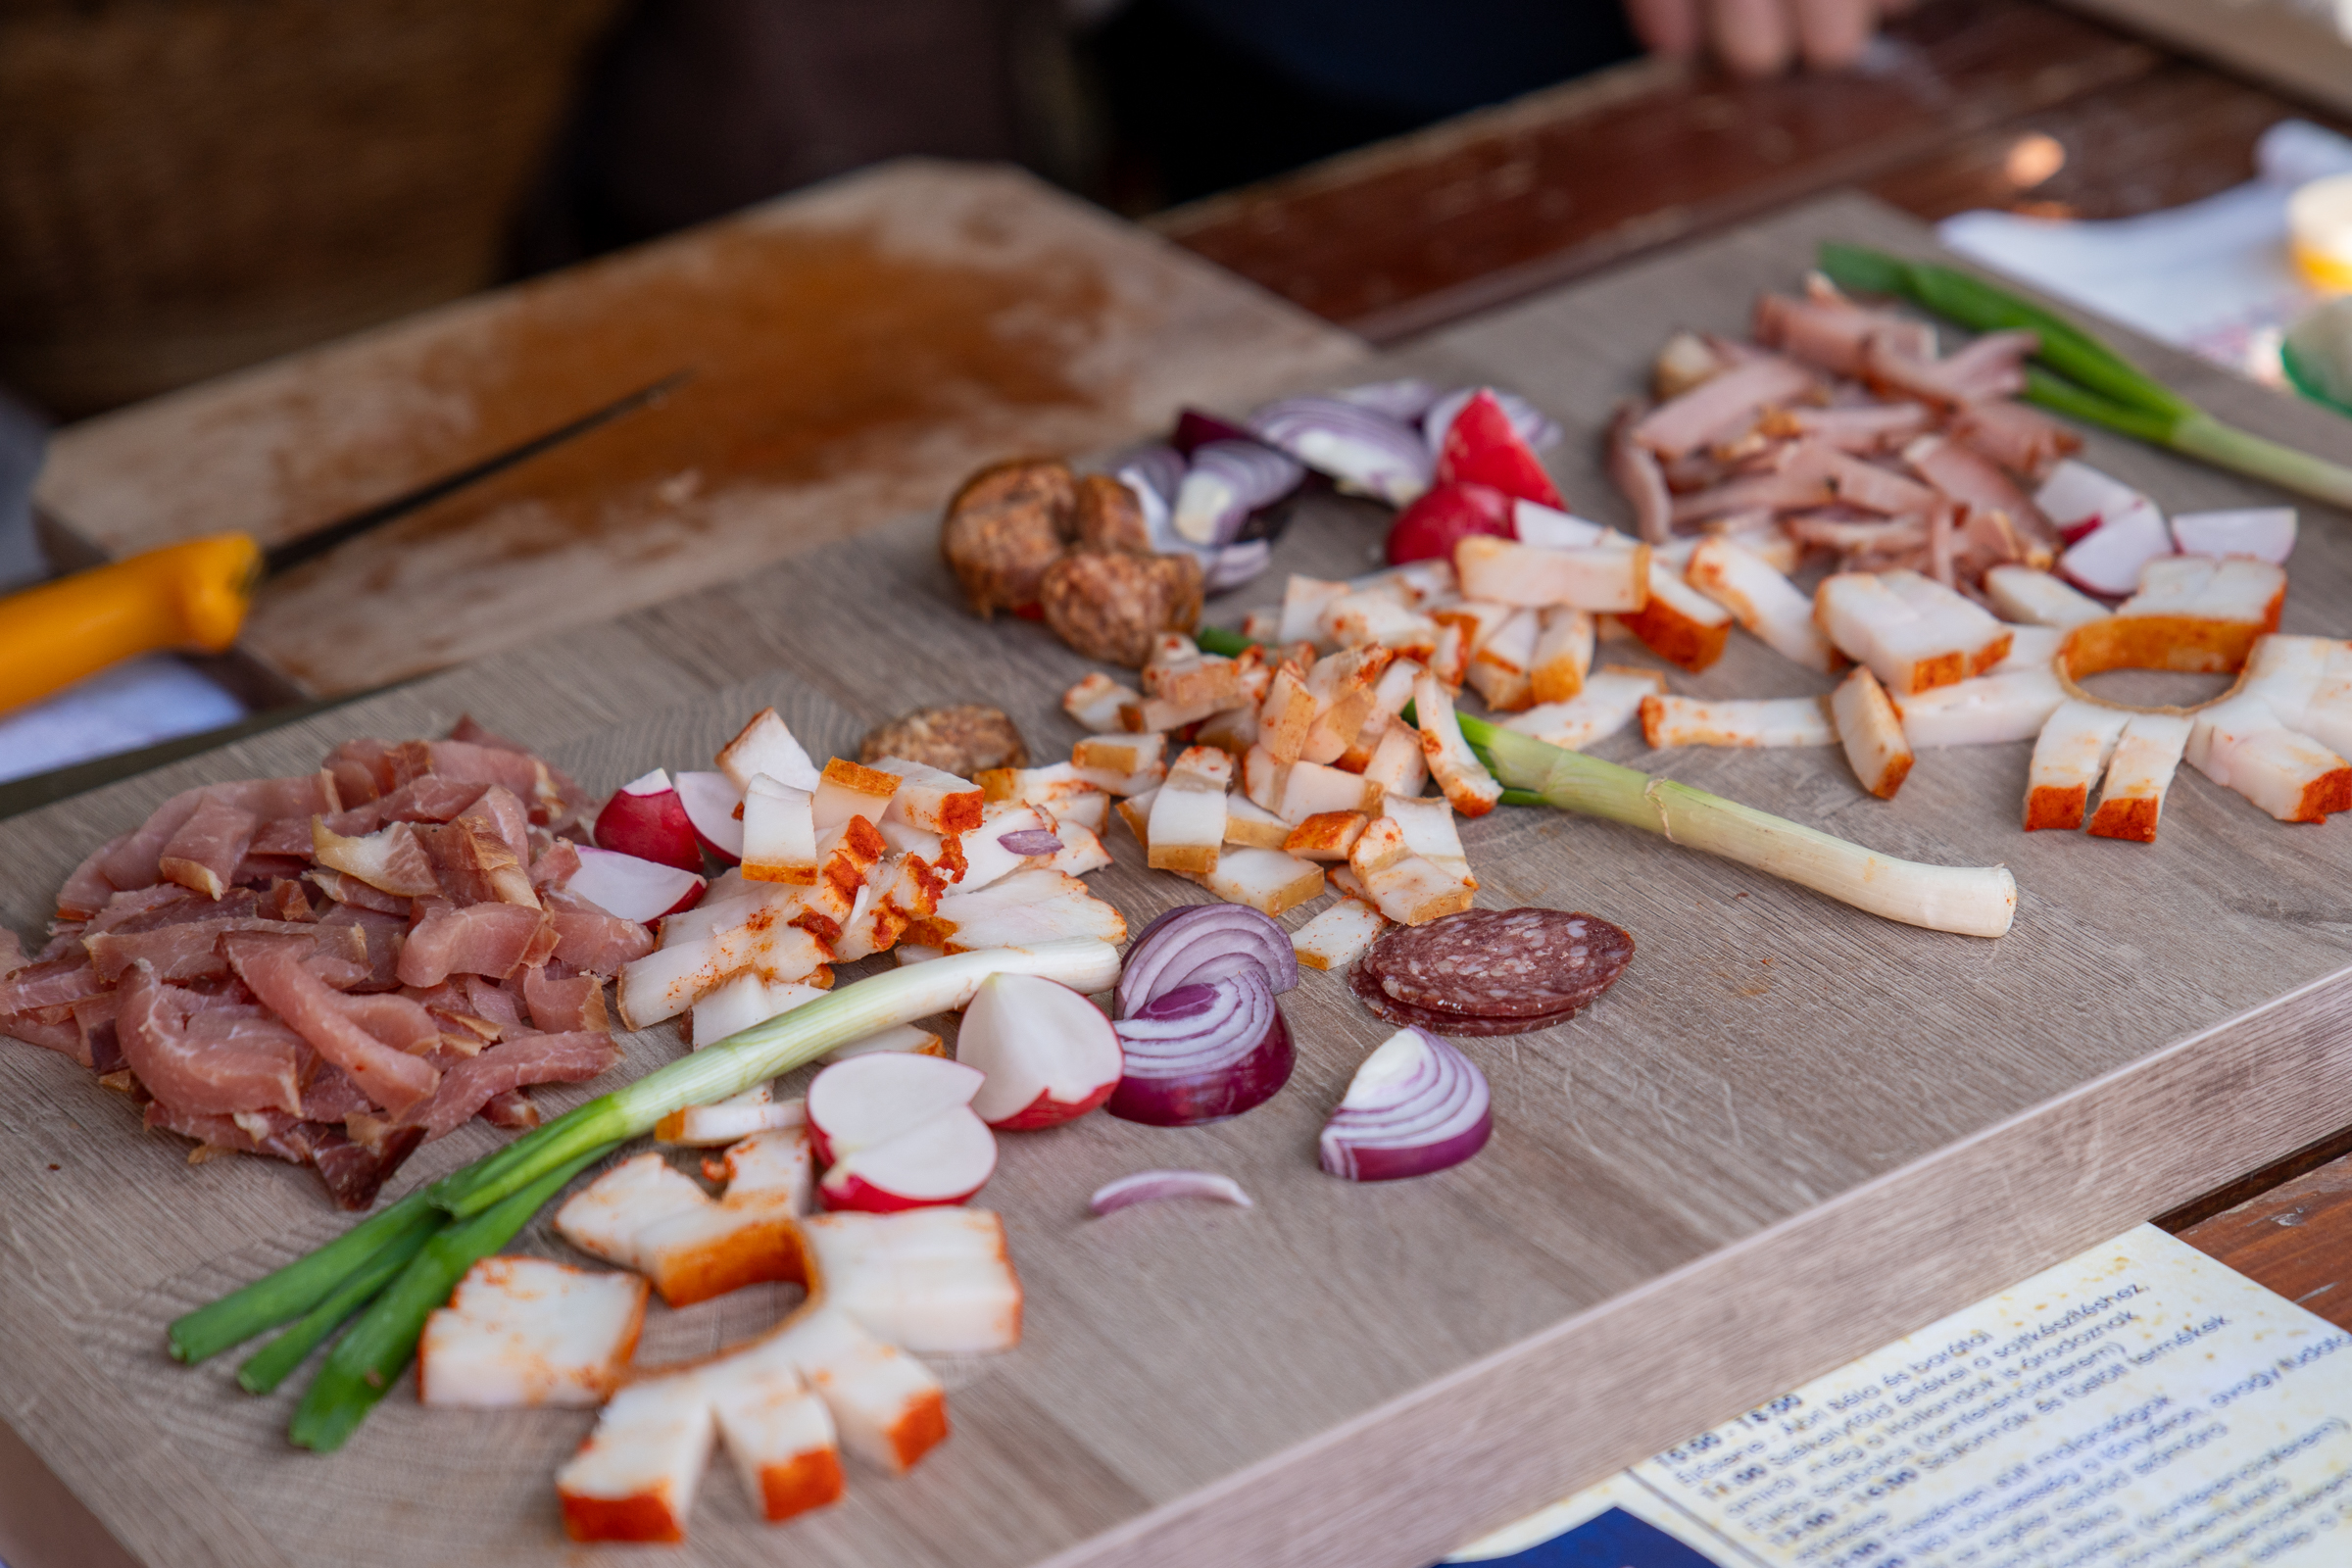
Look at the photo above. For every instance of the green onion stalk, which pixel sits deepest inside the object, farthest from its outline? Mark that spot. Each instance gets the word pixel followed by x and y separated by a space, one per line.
pixel 402 1263
pixel 2078 376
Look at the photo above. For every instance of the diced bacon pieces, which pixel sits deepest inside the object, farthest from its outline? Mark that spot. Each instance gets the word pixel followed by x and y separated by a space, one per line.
pixel 1763 600
pixel 1872 734
pixel 1457 768
pixel 1338 936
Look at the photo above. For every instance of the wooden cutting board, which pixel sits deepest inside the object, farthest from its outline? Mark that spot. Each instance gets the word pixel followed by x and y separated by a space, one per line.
pixel 1790 1133
pixel 851 352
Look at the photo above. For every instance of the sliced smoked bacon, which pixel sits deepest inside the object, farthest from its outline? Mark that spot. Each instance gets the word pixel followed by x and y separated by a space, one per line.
pixel 251 994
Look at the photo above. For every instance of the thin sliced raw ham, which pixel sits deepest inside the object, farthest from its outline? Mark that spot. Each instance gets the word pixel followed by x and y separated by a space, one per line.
pixel 101 1049
pixel 1721 406
pixel 1991 367
pixel 567 1004
pixel 556 865
pixel 391 859
pixel 1636 469
pixel 190 950
pixel 513 1110
pixel 50 983
pixel 2020 438
pixel 349 890
pixel 12 953
pixel 50 1028
pixel 597 943
pixel 87 890
pixel 509 1066
pixel 135 862
pixel 266 1132
pixel 287 835
pixel 492 939
pixel 1970 478
pixel 400 1022
pixel 383 936
pixel 1799 478
pixel 209 1062
pixel 474 863
pixel 273 967
pixel 1861 430
pixel 124 909
pixel 1829 330
pixel 331 1096
pixel 206 851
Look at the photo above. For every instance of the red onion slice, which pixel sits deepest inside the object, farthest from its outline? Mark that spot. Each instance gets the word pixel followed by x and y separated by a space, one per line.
pixel 1227 481
pixel 1199 944
pixel 1202 1053
pixel 1159 467
pixel 1030 841
pixel 1405 400
pixel 1535 427
pixel 1415 1106
pixel 1363 449
pixel 1195 429
pixel 1153 1185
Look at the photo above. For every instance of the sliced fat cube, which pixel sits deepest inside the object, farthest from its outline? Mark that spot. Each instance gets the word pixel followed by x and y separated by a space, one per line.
pixel 1094 703
pixel 1251 826
pixel 1872 734
pixel 2039 597
pixel 1025 908
pixel 1427 826
pixel 1309 789
pixel 606 1218
pixel 524 1331
pixel 1135 813
pixel 1099 758
pixel 781 1438
pixel 847 789
pixel 2241 745
pixel 1457 768
pixel 1914 640
pixel 1563 655
pixel 710 1251
pixel 1610 701
pixel 987 858
pixel 913 1039
pixel 2071 753
pixel 1679 623
pixel 2191 614
pixel 667 981
pixel 1303 601
pixel 2132 796
pixel 886 1406
pixel 1338 936
pixel 2031 648
pixel 1415 890
pixel 730 1120
pixel 1326 836
pixel 1766 604
pixel 1267 880
pixel 775 1164
pixel 1081 849
pixel 1179 675
pixel 779 832
pixel 1379 620
pixel 1232 730
pixel 767 746
pixel 929 798
pixel 1287 716
pixel 1187 825
pixel 1501 668
pixel 635 1477
pixel 933 1280
pixel 1606 578
pixel 1988 710
pixel 744 1001
pixel 1774 721
pixel 1397 766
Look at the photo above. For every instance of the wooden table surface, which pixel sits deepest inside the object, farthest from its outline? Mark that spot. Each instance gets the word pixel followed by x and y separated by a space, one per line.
pixel 1436 226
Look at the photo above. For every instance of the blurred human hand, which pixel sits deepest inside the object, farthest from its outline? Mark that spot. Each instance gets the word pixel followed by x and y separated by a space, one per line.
pixel 1761 37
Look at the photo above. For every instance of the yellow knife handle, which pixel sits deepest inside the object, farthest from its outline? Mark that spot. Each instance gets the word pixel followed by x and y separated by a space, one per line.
pixel 190 597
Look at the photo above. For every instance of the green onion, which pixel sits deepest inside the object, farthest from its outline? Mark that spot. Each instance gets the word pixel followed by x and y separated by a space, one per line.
pixel 1217 640
pixel 763 1052
pixel 301 1285
pixel 1976 901
pixel 365 1363
pixel 268 1366
pixel 2083 378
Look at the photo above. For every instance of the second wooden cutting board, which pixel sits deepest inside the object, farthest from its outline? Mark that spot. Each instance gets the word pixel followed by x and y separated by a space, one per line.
pixel 849 354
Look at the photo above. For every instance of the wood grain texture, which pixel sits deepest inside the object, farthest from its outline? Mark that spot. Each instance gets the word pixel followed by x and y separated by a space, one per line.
pixel 1789 1134
pixel 852 350
pixel 1488 208
pixel 2295 1238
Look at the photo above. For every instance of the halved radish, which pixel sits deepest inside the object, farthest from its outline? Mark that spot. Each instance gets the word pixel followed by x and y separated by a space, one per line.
pixel 1482 447
pixel 868 1100
pixel 710 803
pixel 944 1159
pixel 645 818
pixel 1049 1054
pixel 2266 533
pixel 632 888
pixel 2077 497
pixel 2107 560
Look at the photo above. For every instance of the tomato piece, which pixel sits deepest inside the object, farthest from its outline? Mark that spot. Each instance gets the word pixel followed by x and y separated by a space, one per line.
pixel 1426 529
pixel 1482 447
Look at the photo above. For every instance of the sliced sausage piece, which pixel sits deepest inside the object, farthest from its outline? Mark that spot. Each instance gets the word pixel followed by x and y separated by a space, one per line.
pixel 1504 963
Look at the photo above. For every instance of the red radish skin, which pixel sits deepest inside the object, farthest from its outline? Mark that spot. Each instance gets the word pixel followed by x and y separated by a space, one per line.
pixel 645 818
pixel 1048 1055
pixel 939 1161
pixel 1482 447
pixel 870 1100
pixel 1428 528
pixel 2108 560
pixel 710 804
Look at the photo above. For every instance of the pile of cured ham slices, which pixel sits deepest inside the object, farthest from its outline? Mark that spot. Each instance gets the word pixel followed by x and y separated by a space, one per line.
pixel 330 969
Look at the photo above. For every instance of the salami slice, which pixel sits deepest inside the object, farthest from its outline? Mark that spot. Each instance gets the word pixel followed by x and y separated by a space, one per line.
pixel 1503 964
pixel 1461 1025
